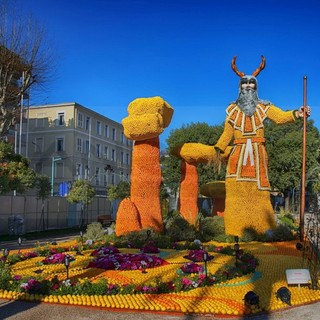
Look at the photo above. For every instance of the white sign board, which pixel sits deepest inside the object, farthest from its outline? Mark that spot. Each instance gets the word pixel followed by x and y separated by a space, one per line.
pixel 298 276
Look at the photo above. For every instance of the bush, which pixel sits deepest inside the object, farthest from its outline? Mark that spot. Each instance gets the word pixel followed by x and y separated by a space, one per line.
pixel 94 232
pixel 162 241
pixel 178 229
pixel 211 227
pixel 5 276
pixel 249 235
pixel 138 239
pixel 282 233
pixel 288 220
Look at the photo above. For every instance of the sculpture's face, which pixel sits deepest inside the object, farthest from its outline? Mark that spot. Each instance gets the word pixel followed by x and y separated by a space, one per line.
pixel 248 83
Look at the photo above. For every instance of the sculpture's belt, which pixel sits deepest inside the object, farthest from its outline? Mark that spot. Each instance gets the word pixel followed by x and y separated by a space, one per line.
pixel 248 149
pixel 244 140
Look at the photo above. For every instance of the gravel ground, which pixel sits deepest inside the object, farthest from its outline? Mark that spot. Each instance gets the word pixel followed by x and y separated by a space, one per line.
pixel 23 310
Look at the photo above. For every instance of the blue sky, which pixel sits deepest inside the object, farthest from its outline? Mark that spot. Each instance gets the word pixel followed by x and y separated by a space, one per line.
pixel 110 52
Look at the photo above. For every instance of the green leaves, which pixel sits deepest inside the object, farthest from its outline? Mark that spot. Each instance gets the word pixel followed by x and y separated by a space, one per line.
pixel 284 147
pixel 81 192
pixel 194 132
pixel 120 191
pixel 15 173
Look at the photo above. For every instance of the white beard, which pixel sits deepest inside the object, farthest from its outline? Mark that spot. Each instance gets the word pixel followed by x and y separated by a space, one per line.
pixel 247 101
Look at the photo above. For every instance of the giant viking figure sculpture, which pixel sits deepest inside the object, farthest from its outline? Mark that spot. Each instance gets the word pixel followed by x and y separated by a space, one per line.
pixel 248 204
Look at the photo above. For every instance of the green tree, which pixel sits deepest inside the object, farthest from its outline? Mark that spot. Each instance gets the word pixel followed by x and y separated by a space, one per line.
pixel 284 147
pixel 15 173
pixel 194 132
pixel 43 186
pixel 82 192
pixel 119 191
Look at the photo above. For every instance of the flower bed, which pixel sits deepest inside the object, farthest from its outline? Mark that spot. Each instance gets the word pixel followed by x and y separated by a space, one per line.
pixel 109 277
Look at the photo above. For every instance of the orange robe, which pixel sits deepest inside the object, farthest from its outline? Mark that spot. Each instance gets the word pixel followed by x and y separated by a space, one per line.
pixel 248 204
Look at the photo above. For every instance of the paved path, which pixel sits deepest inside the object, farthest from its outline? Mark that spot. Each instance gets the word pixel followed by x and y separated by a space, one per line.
pixel 23 310
pixel 13 244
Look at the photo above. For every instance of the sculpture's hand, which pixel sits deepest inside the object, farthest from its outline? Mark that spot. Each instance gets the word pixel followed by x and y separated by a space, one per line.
pixel 193 152
pixel 147 118
pixel 300 112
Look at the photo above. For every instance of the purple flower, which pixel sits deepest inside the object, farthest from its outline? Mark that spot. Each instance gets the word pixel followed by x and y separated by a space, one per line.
pixel 103 251
pixel 123 261
pixel 17 277
pixel 197 255
pixel 57 258
pixel 192 267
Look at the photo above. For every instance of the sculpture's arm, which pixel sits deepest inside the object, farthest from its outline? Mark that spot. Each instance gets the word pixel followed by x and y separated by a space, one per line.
pixel 193 152
pixel 280 117
pixel 226 137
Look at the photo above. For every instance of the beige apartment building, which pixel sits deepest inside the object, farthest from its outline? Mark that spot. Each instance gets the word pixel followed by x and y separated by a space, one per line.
pixel 68 141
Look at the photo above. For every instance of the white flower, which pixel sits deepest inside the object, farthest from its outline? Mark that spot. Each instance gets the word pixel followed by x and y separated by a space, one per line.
pixel 24 285
pixel 66 283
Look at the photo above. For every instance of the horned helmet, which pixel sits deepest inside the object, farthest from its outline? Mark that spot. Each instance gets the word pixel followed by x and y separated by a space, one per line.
pixel 243 76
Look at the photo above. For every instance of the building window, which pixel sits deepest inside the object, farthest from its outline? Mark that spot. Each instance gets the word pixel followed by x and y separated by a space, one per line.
pixel 61 119
pixel 113 179
pixel 79 170
pixel 106 152
pixel 113 155
pixel 122 138
pixel 87 147
pixel 79 145
pixel 122 157
pixel 59 170
pixel 127 158
pixel 80 120
pixel 105 182
pixel 114 134
pixel 86 172
pixel 98 150
pixel 97 176
pixel 38 145
pixel 87 123
pixel 40 120
pixel 38 167
pixel 99 127
pixel 106 131
pixel 60 144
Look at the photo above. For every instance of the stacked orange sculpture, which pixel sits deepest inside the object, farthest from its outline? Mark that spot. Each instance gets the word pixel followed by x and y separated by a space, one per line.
pixel 147 119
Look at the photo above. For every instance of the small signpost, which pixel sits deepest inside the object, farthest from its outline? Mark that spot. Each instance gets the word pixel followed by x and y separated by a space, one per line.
pixel 298 276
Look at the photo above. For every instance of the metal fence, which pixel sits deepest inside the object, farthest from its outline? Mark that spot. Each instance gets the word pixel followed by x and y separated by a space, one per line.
pixel 22 214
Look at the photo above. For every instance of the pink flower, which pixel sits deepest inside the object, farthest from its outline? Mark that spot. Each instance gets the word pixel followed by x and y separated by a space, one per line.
pixel 192 267
pixel 57 258
pixel 123 261
pixel 197 255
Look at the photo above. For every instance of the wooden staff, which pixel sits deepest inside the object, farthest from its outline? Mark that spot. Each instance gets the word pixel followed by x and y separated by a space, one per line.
pixel 303 173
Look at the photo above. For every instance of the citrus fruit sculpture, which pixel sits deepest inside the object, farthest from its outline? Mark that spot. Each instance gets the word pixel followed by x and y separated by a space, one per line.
pixel 147 119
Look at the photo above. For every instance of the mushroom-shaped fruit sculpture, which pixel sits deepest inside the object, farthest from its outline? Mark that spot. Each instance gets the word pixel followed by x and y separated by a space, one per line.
pixel 215 190
pixel 147 119
pixel 191 154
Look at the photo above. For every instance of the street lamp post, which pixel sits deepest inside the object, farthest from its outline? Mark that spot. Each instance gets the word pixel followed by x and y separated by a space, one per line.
pixel 53 160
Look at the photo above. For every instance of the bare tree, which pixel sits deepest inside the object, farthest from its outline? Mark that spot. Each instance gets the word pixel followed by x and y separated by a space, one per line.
pixel 25 61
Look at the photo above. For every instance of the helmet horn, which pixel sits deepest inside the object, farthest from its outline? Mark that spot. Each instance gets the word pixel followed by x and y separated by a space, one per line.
pixel 261 66
pixel 234 67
